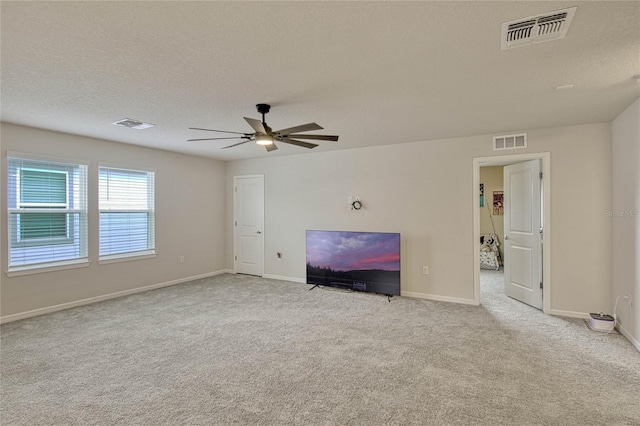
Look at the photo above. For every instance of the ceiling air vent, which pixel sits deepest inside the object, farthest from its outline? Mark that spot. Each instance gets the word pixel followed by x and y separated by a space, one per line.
pixel 510 142
pixel 536 29
pixel 133 124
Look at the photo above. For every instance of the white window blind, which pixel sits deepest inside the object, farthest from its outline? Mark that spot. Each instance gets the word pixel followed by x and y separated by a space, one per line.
pixel 127 218
pixel 47 210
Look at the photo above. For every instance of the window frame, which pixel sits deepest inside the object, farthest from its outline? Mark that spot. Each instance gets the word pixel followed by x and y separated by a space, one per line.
pixel 26 207
pixel 150 251
pixel 77 235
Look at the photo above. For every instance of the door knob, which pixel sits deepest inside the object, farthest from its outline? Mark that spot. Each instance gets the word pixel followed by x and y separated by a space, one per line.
pixel 506 237
pixel 258 232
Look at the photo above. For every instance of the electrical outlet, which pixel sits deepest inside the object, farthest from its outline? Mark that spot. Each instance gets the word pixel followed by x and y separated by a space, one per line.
pixel 181 259
pixel 425 270
pixel 630 298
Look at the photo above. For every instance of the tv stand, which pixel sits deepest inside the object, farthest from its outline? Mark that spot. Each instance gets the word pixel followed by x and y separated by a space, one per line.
pixel 389 296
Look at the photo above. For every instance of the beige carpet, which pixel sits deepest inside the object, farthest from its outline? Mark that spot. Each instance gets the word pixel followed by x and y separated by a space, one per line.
pixel 237 350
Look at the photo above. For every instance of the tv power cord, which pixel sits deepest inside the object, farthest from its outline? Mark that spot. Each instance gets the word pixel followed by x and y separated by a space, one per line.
pixel 615 308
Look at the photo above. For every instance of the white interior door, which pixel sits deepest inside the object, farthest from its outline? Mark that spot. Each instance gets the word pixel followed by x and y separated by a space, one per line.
pixel 248 224
pixel 523 233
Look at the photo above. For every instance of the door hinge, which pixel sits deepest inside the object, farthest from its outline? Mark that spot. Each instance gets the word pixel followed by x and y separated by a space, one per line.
pixel 540 175
pixel 540 284
pixel 236 223
pixel 236 257
pixel 235 189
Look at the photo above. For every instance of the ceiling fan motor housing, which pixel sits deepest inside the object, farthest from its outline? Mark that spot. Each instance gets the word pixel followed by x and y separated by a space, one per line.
pixel 263 108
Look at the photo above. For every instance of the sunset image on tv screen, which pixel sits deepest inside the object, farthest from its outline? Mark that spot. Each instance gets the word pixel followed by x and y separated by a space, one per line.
pixel 364 261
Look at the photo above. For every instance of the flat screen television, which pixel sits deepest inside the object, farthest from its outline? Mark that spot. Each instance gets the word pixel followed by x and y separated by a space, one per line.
pixel 360 261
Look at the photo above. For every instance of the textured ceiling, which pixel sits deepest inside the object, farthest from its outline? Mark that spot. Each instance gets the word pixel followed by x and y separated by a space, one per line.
pixel 372 72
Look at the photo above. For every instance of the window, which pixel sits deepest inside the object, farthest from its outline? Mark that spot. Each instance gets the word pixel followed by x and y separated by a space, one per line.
pixel 127 219
pixel 43 189
pixel 47 208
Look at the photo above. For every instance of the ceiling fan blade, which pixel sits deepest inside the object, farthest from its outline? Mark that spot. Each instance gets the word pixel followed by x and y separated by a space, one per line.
pixel 257 125
pixel 212 130
pixel 300 128
pixel 316 137
pixel 271 147
pixel 215 139
pixel 298 143
pixel 236 144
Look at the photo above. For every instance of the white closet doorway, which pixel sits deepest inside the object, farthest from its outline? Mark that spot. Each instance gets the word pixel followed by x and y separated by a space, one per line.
pixel 248 224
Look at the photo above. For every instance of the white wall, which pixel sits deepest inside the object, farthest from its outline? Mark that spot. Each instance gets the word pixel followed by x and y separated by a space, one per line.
pixel 190 222
pixel 424 191
pixel 625 218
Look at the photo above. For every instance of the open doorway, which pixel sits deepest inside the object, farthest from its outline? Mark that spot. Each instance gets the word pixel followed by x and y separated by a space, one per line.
pixel 513 243
pixel 491 203
pixel 491 218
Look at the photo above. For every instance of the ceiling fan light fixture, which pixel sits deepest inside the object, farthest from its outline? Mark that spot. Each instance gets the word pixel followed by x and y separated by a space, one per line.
pixel 264 140
pixel 265 136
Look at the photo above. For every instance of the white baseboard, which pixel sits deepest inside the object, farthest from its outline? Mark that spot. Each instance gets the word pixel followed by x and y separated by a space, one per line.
pixel 630 338
pixel 570 314
pixel 586 316
pixel 281 278
pixel 438 298
pixel 68 305
pixel 403 293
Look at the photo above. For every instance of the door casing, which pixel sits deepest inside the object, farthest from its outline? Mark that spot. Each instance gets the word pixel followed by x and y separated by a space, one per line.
pixel 504 160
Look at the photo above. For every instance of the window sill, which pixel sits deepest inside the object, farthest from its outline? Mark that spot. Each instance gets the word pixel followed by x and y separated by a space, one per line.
pixel 105 260
pixel 50 267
